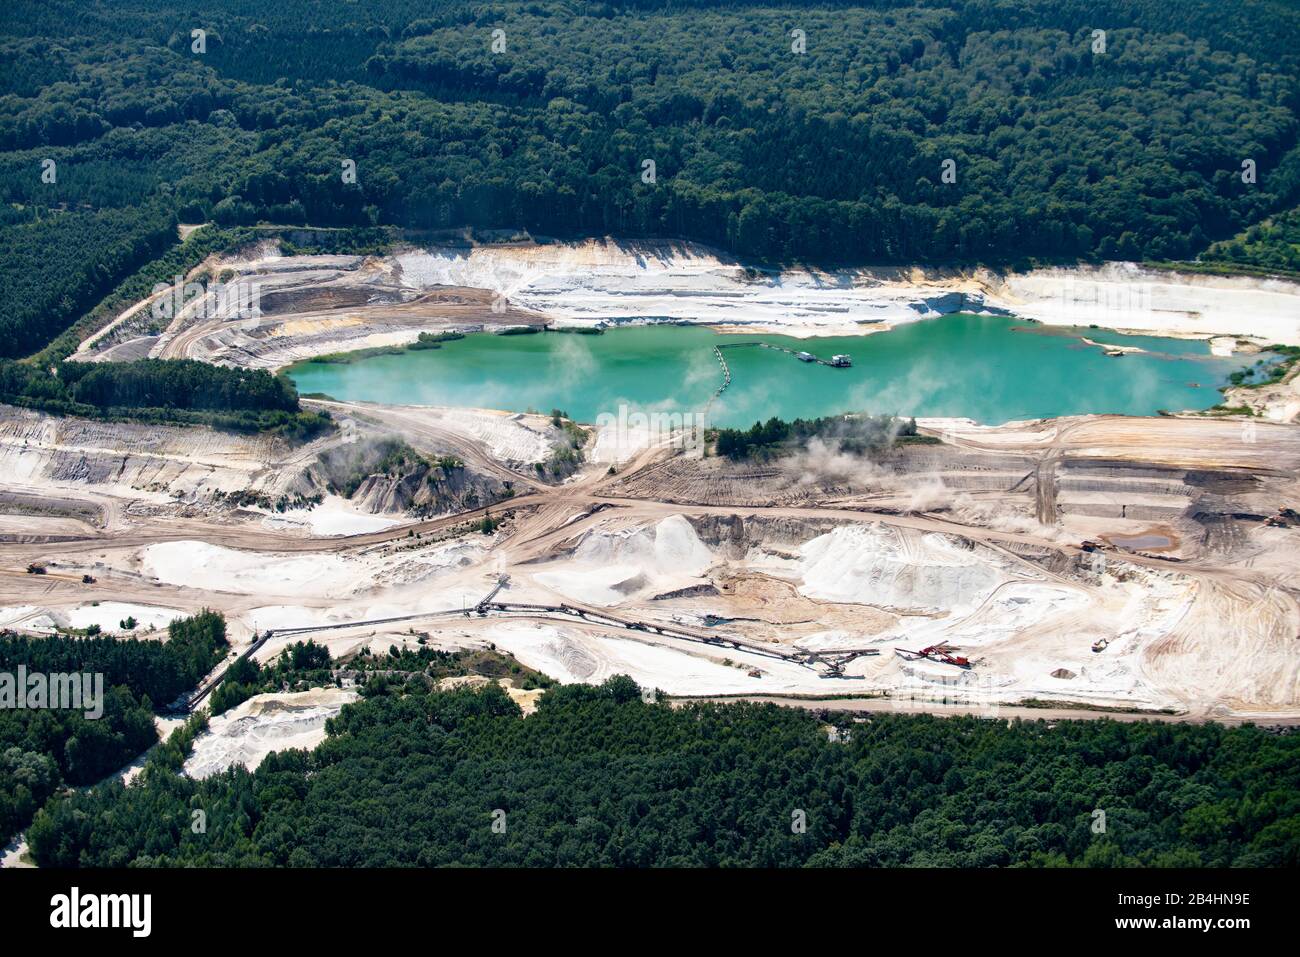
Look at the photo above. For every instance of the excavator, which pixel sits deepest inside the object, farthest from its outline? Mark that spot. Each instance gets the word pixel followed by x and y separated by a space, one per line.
pixel 942 652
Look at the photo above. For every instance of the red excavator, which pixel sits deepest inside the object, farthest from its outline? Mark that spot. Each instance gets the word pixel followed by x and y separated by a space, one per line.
pixel 940 652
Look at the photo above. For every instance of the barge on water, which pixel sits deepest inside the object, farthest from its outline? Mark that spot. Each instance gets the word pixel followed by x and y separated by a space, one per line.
pixel 840 361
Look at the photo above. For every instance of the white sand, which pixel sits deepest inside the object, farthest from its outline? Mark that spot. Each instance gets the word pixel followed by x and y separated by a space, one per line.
pixel 874 564
pixel 228 569
pixel 571 656
pixel 339 578
pixel 610 566
pixel 1014 608
pixel 509 436
pixel 333 516
pixel 14 614
pixel 263 724
pixel 585 283
pixel 107 615
pixel 1126 296
pixel 615 444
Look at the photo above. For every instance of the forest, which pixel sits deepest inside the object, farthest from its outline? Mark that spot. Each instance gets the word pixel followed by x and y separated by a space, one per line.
pixel 57 264
pixel 885 131
pixel 44 750
pixel 163 391
pixel 157 670
pixel 599 777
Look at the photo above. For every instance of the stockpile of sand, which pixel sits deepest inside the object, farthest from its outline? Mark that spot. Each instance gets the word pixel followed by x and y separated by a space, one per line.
pixel 336 576
pixel 191 563
pixel 265 723
pixel 611 565
pixel 883 566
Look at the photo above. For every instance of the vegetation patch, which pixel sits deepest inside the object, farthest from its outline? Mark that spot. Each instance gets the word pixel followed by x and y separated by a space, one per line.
pixel 163 391
pixel 852 433
pixel 349 465
pixel 281 503
pixel 46 749
pixel 1267 370
pixel 1270 248
pixel 299 667
pixel 598 777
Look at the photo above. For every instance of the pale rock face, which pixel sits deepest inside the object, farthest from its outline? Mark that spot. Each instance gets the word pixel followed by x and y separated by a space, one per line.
pixel 595 281
pixel 591 282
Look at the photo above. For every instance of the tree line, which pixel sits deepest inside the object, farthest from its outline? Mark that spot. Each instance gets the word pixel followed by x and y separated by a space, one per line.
pixel 598 777
pixel 1272 246
pixel 857 434
pixel 44 750
pixel 899 132
pixel 183 391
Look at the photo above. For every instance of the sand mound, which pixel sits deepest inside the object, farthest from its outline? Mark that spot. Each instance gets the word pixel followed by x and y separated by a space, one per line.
pixel 265 723
pixel 874 565
pixel 610 565
pixel 216 567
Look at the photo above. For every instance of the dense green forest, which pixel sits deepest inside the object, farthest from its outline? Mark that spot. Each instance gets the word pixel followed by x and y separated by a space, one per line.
pixel 58 263
pixel 598 777
pixel 43 750
pixel 827 145
pixel 163 390
pixel 159 670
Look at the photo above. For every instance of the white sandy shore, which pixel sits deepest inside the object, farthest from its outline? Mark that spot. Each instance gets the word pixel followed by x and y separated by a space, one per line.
pixel 591 282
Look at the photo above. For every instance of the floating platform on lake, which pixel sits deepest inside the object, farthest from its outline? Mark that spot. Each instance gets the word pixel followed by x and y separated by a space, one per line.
pixel 841 361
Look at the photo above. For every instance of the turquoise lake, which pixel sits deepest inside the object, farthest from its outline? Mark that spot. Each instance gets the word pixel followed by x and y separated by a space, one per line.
pixel 988 368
